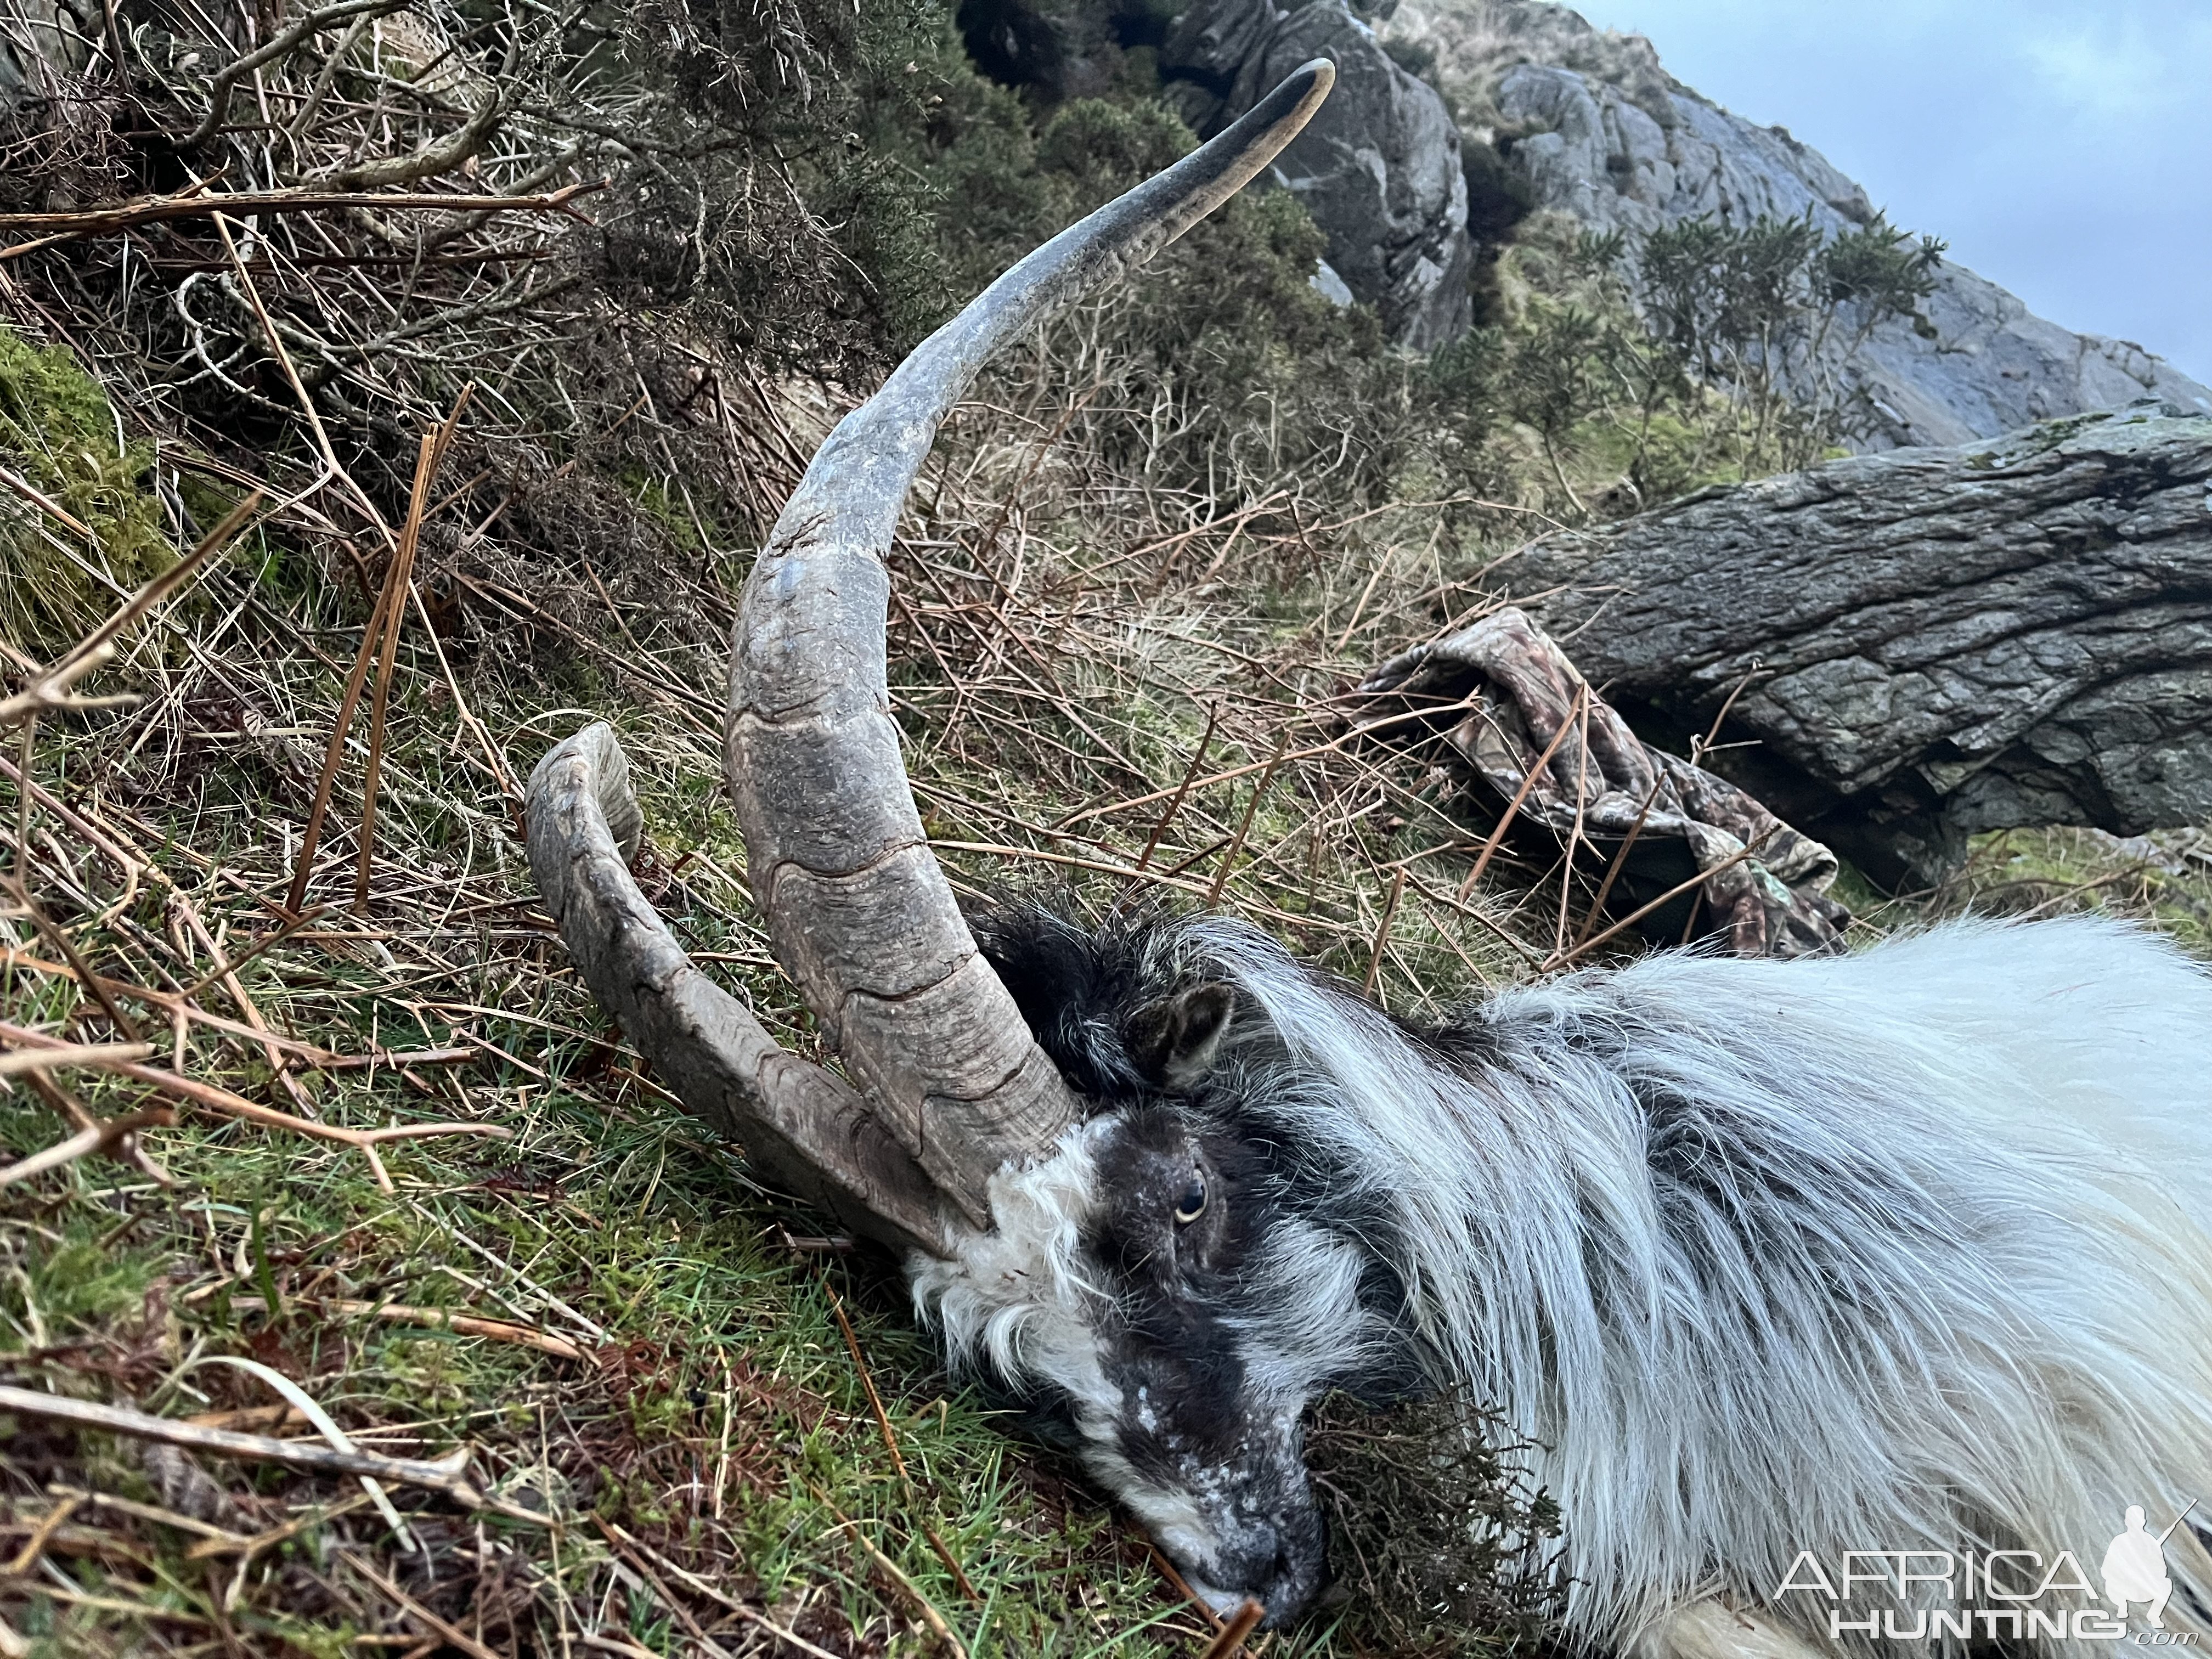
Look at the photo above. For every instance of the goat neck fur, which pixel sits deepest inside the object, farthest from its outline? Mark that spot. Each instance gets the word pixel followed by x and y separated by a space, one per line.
pixel 1901 1250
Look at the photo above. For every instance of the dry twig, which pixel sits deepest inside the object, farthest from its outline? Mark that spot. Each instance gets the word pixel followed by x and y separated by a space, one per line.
pixel 447 1475
pixel 214 1099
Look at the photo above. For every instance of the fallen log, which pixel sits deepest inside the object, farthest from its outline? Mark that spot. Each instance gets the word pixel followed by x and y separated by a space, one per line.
pixel 1925 643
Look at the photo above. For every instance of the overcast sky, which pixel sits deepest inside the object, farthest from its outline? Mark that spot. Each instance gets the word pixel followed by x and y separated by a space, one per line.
pixel 2063 147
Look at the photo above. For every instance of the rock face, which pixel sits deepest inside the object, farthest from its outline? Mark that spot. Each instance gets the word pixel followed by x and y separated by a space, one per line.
pixel 1057 49
pixel 47 44
pixel 1558 115
pixel 1925 643
pixel 1595 129
pixel 1379 168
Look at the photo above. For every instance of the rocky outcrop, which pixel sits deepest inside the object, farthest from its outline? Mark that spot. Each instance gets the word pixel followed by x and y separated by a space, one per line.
pixel 1379 168
pixel 1927 643
pixel 1555 114
pixel 1057 49
pixel 1594 128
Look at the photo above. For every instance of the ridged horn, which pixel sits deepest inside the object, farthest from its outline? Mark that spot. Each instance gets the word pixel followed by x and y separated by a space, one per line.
pixel 804 1128
pixel 947 1085
pixel 859 911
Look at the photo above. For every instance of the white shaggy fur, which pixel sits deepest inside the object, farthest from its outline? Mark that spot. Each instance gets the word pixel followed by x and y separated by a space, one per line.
pixel 1905 1249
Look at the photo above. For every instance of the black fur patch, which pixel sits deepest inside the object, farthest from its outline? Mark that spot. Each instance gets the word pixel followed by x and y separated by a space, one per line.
pixel 1078 989
pixel 1081 988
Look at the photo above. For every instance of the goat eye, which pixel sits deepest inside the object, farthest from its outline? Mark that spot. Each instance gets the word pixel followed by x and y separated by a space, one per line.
pixel 1192 1204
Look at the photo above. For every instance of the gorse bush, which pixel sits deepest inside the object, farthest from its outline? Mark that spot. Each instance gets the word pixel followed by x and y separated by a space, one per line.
pixel 1633 371
pixel 1775 312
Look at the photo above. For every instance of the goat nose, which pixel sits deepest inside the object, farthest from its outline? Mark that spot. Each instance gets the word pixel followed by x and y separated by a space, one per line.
pixel 1294 1577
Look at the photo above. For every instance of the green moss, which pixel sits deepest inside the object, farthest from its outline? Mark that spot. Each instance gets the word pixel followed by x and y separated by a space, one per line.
pixel 68 1288
pixel 59 433
pixel 674 520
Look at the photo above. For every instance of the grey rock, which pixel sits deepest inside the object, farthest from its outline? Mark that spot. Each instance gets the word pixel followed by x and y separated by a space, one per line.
pixel 1594 128
pixel 1379 168
pixel 1057 49
pixel 48 44
pixel 1925 643
pixel 1332 287
pixel 1991 366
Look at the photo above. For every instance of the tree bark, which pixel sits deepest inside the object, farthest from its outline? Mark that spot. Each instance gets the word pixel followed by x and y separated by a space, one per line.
pixel 1925 643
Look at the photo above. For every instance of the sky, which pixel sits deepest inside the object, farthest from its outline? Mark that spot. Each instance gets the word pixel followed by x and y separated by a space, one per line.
pixel 2063 148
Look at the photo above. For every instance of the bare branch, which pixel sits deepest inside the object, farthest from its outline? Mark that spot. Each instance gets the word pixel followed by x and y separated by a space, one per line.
pixel 448 1475
pixel 14 1062
pixel 98 1138
pixel 276 46
pixel 246 204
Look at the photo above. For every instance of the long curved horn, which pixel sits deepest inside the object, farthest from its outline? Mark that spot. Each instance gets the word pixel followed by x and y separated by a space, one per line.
pixel 859 914
pixel 950 1086
pixel 803 1128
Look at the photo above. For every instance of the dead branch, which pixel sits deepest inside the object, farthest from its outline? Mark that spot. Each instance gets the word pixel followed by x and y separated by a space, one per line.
pixel 450 1635
pixel 1231 1642
pixel 15 1061
pixel 98 1138
pixel 231 73
pixel 437 156
pixel 207 1095
pixel 448 1475
pixel 399 1313
pixel 245 204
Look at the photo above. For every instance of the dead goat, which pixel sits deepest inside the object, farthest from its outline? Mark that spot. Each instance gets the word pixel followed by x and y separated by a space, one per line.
pixel 1894 1251
pixel 1792 1270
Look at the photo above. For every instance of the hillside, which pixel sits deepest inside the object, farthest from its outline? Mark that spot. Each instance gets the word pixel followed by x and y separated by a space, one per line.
pixel 1461 118
pixel 1589 123
pixel 464 357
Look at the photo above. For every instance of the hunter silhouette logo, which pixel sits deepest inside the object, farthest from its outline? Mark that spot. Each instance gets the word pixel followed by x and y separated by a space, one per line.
pixel 2016 1594
pixel 2135 1567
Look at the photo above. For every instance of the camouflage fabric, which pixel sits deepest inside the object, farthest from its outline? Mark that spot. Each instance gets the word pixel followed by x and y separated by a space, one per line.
pixel 1503 694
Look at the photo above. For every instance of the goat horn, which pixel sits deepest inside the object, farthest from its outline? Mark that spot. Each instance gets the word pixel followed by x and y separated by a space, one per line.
pixel 859 911
pixel 950 1085
pixel 803 1128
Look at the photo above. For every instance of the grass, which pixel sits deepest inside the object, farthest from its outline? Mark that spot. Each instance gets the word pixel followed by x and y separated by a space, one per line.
pixel 2163 878
pixel 1108 685
pixel 708 1458
pixel 720 1418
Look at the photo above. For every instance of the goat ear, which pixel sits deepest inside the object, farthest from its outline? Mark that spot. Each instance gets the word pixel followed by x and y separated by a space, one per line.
pixel 1174 1041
